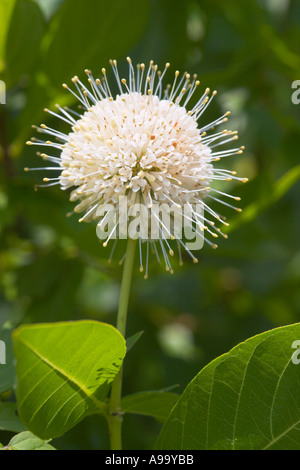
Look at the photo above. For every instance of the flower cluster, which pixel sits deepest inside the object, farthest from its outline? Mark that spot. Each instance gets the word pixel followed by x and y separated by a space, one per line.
pixel 143 145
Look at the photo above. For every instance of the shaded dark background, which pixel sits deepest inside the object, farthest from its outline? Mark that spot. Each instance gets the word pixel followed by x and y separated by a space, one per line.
pixel 52 268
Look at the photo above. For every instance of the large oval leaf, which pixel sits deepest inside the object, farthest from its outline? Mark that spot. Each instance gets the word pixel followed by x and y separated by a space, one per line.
pixel 64 372
pixel 246 399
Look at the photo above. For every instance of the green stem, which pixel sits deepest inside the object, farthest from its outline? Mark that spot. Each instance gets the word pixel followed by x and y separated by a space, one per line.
pixel 115 417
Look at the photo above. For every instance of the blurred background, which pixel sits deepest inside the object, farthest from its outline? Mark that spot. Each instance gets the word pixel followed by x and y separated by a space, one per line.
pixel 52 268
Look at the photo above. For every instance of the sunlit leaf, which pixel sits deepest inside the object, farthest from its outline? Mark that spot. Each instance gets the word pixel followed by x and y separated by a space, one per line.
pixel 64 373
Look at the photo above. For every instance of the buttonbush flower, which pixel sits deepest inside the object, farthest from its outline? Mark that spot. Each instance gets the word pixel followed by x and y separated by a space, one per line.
pixel 141 146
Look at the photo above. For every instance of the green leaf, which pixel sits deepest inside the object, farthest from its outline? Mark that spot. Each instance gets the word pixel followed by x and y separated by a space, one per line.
pixel 6 9
pixel 279 189
pixel 23 40
pixel 64 372
pixel 246 399
pixel 7 371
pixel 9 421
pixel 132 340
pixel 27 441
pixel 155 404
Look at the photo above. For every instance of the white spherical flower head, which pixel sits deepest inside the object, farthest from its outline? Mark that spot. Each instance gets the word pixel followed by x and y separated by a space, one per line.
pixel 139 163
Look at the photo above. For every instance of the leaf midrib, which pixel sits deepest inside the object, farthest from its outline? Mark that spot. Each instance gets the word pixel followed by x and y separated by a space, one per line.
pixel 98 403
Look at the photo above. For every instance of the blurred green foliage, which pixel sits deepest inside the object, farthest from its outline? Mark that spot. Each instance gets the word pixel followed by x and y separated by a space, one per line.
pixel 52 268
